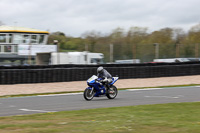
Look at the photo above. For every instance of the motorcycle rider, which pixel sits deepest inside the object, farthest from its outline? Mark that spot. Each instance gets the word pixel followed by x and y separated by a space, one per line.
pixel 106 76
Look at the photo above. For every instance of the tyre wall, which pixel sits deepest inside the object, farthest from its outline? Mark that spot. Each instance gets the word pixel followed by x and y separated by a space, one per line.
pixel 64 73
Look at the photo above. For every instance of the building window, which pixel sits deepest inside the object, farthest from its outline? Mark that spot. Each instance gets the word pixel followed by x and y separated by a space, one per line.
pixel 7 48
pixel 34 39
pixel 41 40
pixel 2 38
pixel 10 38
pixel 26 39
pixel 15 49
pixel 17 39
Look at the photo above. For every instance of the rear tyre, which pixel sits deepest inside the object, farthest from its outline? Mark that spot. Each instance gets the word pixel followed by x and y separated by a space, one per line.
pixel 88 94
pixel 112 92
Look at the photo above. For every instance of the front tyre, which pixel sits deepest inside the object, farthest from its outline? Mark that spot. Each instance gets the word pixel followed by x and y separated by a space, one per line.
pixel 112 92
pixel 88 94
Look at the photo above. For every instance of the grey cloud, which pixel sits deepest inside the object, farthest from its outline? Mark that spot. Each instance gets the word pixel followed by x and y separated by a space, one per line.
pixel 75 17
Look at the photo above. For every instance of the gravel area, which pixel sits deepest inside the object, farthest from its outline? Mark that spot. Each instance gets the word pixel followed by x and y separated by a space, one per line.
pixel 81 85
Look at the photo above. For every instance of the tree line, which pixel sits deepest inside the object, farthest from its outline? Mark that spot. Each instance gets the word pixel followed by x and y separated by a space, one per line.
pixel 137 42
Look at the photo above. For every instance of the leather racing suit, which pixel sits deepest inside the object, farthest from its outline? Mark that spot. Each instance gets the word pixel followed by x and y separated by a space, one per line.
pixel 107 78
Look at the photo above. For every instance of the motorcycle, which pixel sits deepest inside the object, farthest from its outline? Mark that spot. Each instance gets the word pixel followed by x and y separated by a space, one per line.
pixel 97 89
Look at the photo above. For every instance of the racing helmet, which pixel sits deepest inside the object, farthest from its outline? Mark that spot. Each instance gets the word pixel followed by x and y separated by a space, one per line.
pixel 99 69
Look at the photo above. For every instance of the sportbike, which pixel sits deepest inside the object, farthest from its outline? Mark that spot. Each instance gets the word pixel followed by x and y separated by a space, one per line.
pixel 96 88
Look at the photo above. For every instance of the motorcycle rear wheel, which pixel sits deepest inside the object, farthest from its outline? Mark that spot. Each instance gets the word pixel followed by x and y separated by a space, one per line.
pixel 88 95
pixel 114 92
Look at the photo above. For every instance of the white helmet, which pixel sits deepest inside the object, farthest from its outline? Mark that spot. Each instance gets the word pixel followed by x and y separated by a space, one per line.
pixel 99 69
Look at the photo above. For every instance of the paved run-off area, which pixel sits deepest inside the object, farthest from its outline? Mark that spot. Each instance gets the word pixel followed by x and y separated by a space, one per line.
pixel 81 85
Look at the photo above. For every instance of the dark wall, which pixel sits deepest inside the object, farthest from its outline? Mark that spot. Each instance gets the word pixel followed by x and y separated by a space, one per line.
pixel 63 73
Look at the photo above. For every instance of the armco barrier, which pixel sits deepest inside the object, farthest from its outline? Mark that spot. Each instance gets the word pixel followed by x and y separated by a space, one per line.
pixel 64 73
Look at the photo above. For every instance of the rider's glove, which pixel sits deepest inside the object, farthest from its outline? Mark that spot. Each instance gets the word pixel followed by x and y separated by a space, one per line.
pixel 99 81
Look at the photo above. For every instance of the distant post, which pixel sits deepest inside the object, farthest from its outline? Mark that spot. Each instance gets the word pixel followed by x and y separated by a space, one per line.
pixel 86 47
pixel 156 50
pixel 58 56
pixel 29 57
pixel 111 52
pixel 134 53
pixel 196 50
pixel 177 50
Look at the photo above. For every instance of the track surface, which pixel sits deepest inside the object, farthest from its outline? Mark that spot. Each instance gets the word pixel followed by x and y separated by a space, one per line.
pixel 54 103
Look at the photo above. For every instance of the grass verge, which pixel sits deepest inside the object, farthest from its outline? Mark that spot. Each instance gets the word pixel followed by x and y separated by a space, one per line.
pixel 35 94
pixel 160 118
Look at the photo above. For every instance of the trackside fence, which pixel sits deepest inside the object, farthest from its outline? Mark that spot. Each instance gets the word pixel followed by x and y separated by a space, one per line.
pixel 65 73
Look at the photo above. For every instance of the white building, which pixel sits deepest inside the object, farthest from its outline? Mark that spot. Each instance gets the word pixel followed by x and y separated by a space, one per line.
pixel 19 43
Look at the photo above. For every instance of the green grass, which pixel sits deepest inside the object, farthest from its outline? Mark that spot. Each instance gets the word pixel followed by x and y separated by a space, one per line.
pixel 160 118
pixel 188 85
pixel 35 94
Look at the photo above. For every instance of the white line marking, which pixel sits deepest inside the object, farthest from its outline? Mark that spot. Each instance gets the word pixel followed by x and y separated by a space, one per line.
pixel 43 111
pixel 144 89
pixel 67 94
pixel 163 96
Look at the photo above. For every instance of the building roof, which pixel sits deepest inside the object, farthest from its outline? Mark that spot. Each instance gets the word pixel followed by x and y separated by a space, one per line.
pixel 15 29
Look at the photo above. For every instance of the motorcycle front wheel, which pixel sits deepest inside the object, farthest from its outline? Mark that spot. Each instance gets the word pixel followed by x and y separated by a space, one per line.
pixel 112 92
pixel 88 94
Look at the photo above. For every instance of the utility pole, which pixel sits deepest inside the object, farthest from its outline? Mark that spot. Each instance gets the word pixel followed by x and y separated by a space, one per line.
pixel 111 53
pixel 177 50
pixel 156 50
pixel 86 55
pixel 58 55
pixel 134 53
pixel 29 57
pixel 86 47
pixel 196 50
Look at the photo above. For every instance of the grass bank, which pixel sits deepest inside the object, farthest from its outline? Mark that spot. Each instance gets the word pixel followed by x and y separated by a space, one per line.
pixel 160 118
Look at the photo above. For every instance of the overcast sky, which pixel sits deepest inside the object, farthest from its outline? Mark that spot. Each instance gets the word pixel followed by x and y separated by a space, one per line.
pixel 75 17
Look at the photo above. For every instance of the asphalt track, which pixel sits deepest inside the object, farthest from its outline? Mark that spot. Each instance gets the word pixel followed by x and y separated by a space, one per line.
pixel 75 101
